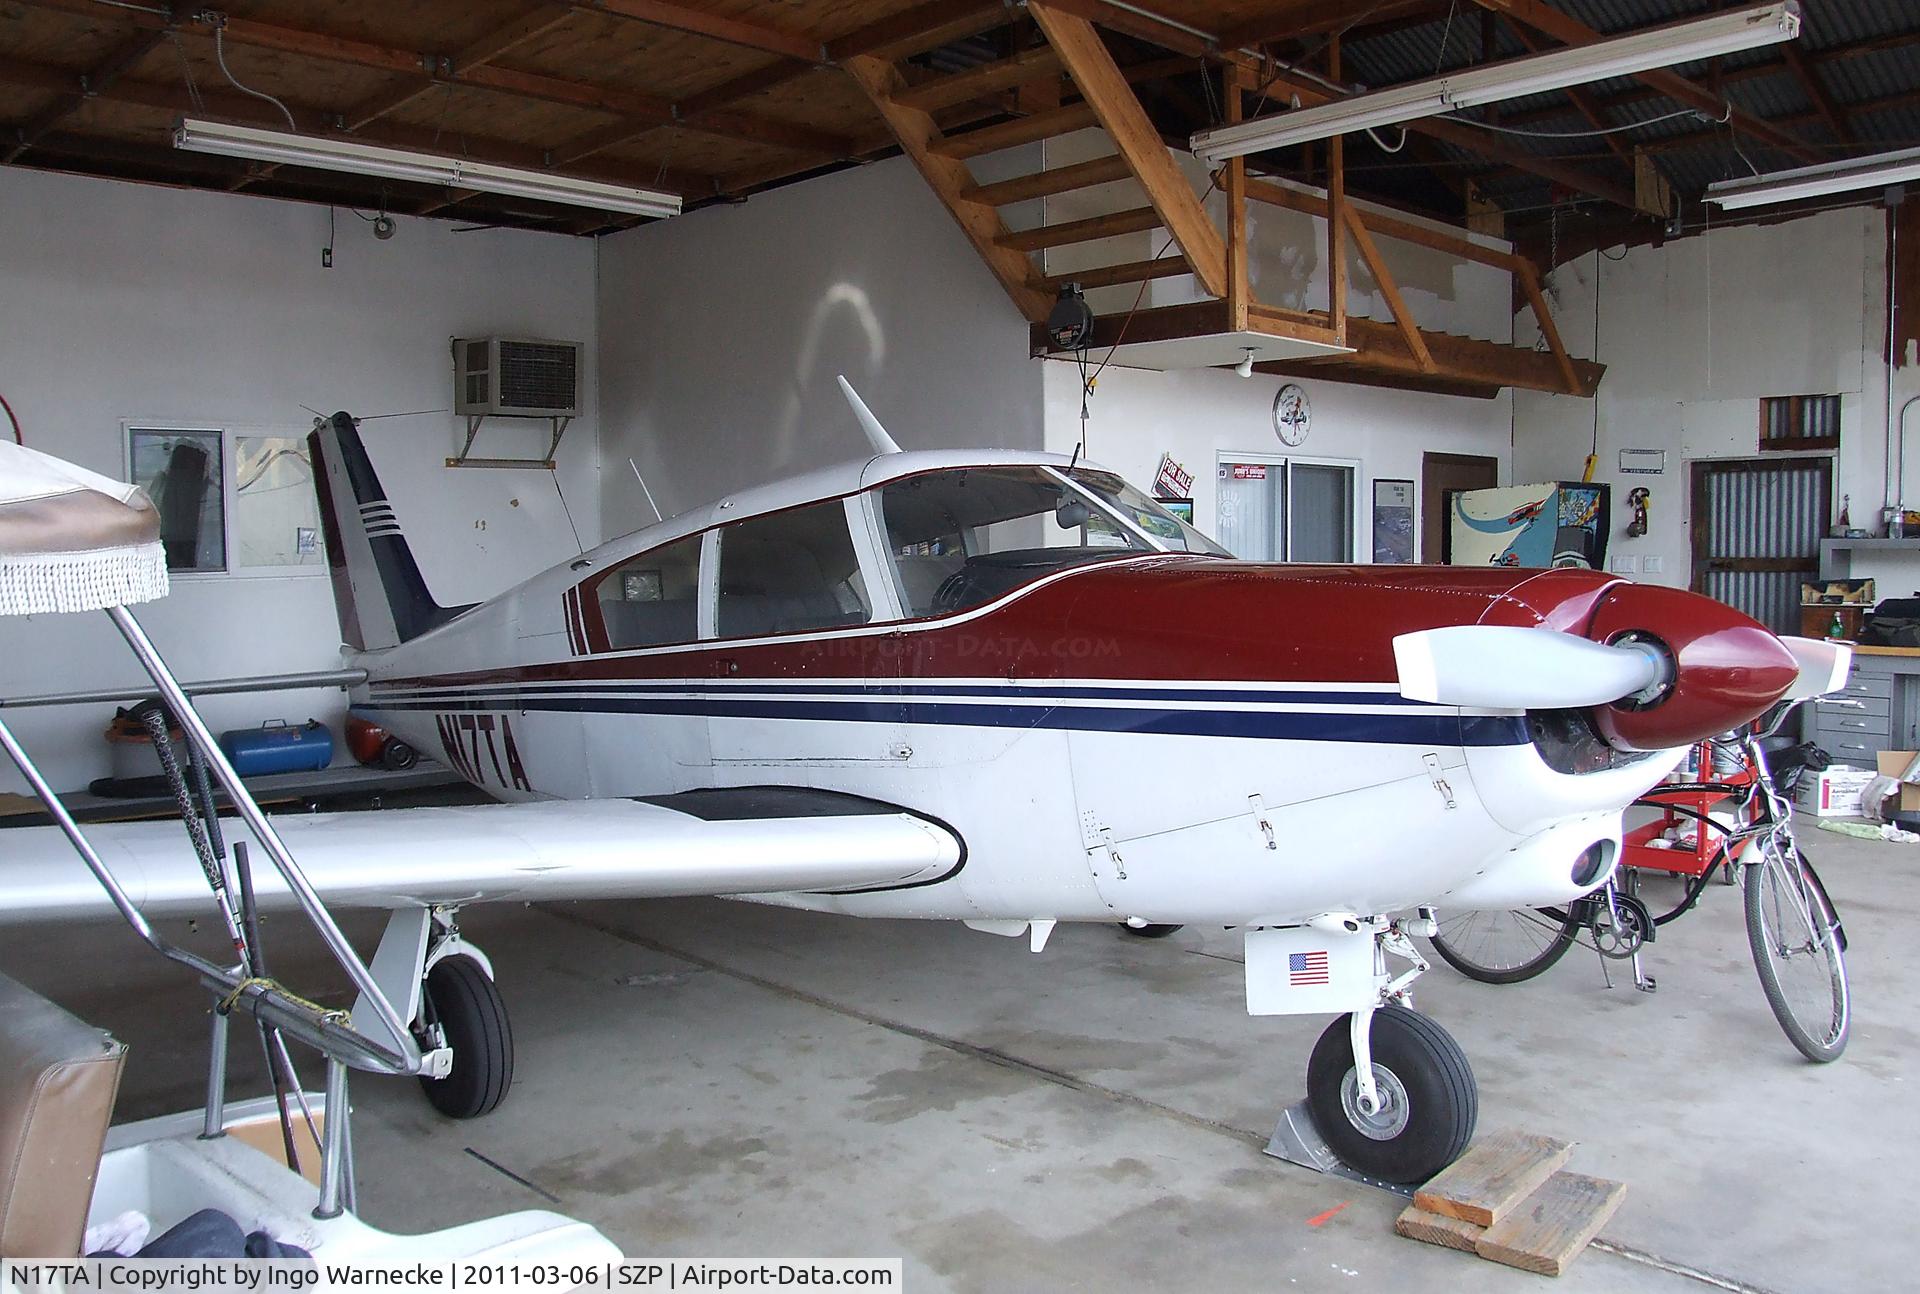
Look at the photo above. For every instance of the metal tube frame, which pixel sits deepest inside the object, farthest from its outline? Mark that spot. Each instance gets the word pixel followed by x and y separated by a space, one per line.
pixel 232 988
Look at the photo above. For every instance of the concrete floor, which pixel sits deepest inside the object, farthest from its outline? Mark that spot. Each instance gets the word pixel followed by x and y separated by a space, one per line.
pixel 702 1078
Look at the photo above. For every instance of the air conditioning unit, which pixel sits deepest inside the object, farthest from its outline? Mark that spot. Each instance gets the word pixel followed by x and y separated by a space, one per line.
pixel 516 377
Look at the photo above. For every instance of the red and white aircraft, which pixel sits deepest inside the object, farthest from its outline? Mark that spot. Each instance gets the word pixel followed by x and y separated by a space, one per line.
pixel 1007 689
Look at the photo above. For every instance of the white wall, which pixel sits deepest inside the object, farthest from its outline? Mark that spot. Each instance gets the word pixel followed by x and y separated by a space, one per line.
pixel 1196 414
pixel 1693 335
pixel 722 332
pixel 121 301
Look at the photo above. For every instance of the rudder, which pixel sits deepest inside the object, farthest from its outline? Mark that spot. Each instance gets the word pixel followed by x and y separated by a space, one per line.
pixel 378 591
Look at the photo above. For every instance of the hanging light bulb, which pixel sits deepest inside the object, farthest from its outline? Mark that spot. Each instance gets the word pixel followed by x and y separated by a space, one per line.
pixel 1245 367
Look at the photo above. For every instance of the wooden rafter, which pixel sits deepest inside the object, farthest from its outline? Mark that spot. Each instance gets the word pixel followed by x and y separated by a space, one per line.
pixel 1167 35
pixel 1817 93
pixel 500 40
pixel 1569 30
pixel 983 81
pixel 950 180
pixel 313 119
pixel 1336 211
pixel 89 84
pixel 715 26
pixel 1102 84
pixel 641 108
pixel 1754 71
pixel 1369 251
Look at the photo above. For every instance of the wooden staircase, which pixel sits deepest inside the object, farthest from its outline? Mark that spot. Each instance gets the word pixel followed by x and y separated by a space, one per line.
pixel 1068 57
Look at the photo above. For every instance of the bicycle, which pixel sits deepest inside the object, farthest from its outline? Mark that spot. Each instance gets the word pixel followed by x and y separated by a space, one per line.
pixel 1741 823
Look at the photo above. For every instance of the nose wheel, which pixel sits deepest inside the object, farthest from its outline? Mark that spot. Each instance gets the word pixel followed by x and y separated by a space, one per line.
pixel 1423 1103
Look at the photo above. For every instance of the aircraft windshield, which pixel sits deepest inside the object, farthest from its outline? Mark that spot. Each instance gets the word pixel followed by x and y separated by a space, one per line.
pixel 962 537
pixel 1147 514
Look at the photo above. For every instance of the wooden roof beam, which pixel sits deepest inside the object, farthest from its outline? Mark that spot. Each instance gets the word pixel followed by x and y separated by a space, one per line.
pixel 641 108
pixel 234 106
pixel 1817 93
pixel 88 85
pixel 715 26
pixel 510 35
pixel 982 82
pixel 1569 30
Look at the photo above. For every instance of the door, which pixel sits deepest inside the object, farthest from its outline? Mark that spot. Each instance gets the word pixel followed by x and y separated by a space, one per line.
pixel 1286 509
pixel 1757 525
pixel 1440 476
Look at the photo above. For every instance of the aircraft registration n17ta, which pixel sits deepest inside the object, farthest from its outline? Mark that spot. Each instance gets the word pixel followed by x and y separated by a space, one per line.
pixel 1007 689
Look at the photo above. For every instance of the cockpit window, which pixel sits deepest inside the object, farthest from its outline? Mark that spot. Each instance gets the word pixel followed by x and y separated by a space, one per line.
pixel 962 537
pixel 1145 513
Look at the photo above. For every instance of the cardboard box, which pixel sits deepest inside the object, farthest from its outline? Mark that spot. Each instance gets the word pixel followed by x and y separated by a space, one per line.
pixel 1893 763
pixel 1834 791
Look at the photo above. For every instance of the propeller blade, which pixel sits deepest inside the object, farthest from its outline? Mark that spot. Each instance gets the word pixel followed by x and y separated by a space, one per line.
pixel 1506 667
pixel 1823 666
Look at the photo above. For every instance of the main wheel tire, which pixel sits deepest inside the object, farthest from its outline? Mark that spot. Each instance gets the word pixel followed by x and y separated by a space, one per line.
pixel 1802 968
pixel 464 1001
pixel 1506 946
pixel 1149 931
pixel 1429 1099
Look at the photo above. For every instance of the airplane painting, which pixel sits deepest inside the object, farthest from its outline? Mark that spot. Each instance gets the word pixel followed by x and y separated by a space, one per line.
pixel 1007 689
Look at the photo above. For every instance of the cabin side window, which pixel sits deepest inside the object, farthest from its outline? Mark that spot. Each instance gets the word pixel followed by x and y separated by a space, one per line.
pixel 791 572
pixel 653 599
pixel 962 537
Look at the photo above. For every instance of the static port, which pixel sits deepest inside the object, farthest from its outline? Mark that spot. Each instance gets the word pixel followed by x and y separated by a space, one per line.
pixel 1595 861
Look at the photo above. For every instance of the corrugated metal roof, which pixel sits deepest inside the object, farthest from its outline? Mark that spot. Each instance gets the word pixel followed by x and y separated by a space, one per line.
pixel 1847 44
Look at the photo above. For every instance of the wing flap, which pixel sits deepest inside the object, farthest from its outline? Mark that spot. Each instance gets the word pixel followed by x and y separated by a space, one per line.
pixel 527 852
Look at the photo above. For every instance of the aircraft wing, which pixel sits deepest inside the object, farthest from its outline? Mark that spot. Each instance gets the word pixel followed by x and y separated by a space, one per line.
pixel 744 841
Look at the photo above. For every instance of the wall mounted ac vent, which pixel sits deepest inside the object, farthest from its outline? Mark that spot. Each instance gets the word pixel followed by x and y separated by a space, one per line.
pixel 516 377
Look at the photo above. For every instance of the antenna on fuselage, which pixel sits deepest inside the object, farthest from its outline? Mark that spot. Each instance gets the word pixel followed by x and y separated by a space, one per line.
pixel 876 434
pixel 644 490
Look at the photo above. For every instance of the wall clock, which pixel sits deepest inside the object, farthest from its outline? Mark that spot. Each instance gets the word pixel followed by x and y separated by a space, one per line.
pixel 1292 414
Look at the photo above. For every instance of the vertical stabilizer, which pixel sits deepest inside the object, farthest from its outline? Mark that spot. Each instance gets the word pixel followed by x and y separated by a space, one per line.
pixel 377 588
pixel 876 434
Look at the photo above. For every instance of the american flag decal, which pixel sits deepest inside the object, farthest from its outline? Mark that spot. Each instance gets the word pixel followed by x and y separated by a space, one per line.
pixel 1307 968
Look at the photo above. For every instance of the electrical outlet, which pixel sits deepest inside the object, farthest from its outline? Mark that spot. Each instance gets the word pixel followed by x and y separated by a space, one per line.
pixel 1622 566
pixel 326 258
pixel 1651 565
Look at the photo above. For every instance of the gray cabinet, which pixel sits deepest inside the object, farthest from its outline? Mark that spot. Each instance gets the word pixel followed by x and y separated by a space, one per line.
pixel 1857 723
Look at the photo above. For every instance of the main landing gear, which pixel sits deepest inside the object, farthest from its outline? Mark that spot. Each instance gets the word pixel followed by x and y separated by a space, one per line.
pixel 445 987
pixel 1390 1095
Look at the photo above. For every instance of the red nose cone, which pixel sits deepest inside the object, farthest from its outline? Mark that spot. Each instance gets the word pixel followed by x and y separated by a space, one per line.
pixel 1730 668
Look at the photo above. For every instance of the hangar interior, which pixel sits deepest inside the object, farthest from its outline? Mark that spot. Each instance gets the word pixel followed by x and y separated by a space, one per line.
pixel 1538 288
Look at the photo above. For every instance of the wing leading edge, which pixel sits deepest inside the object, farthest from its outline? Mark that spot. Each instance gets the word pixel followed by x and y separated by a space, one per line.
pixel 527 852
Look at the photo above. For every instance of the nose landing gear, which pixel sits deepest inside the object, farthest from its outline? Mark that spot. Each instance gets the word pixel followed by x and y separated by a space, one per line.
pixel 1390 1097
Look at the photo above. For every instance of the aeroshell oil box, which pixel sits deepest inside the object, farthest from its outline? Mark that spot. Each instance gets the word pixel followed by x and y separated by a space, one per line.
pixel 278 747
pixel 1831 792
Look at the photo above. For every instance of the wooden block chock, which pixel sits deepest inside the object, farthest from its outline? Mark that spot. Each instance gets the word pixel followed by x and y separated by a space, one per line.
pixel 1415 1223
pixel 1554 1224
pixel 1496 1174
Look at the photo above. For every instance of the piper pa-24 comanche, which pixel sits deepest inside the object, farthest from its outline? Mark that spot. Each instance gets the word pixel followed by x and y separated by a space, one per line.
pixel 1007 689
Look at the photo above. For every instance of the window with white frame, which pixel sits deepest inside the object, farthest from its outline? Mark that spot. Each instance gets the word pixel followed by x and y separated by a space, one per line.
pixel 1274 509
pixel 230 501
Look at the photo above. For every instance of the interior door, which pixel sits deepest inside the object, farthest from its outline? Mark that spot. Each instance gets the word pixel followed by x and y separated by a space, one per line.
pixel 1441 475
pixel 1757 524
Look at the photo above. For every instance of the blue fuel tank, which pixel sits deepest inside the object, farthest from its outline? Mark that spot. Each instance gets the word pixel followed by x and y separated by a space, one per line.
pixel 278 748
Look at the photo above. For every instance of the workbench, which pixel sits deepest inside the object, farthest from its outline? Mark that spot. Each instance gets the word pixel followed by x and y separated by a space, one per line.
pixel 1885 687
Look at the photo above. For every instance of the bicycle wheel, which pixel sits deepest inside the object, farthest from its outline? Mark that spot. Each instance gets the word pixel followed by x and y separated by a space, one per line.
pixel 1505 947
pixel 1796 948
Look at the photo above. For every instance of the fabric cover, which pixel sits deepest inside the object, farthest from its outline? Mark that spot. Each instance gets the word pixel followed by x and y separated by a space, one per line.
pixel 58 1079
pixel 73 540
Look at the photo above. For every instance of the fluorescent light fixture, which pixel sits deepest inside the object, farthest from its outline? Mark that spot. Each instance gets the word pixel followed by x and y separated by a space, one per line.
pixel 1640 51
pixel 355 158
pixel 1877 172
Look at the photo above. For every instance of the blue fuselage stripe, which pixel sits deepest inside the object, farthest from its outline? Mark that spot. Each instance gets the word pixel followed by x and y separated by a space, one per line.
pixel 1442 728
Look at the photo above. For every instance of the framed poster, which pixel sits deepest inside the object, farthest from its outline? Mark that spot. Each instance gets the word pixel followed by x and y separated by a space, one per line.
pixel 1393 521
pixel 1181 508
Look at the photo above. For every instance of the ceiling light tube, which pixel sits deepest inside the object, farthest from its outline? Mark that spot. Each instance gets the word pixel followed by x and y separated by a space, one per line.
pixel 1640 51
pixel 1876 172
pixel 376 160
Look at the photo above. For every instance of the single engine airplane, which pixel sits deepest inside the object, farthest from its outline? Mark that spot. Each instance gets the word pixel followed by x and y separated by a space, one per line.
pixel 1007 689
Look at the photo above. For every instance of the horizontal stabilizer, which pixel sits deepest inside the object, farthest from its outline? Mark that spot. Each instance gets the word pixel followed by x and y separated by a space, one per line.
pixel 527 852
